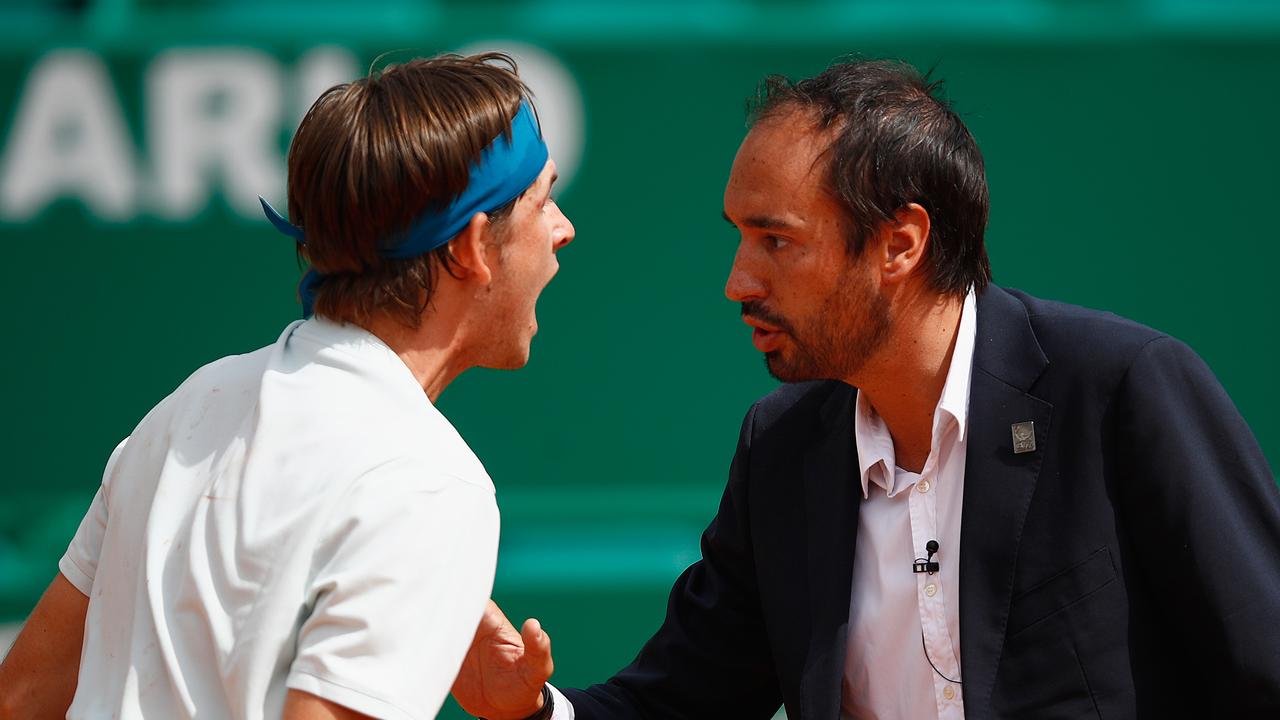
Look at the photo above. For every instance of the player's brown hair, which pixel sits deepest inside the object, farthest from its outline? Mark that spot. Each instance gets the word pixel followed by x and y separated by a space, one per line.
pixel 371 155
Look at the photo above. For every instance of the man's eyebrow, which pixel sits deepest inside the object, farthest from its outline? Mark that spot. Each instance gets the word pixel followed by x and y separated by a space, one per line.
pixel 762 222
pixel 550 185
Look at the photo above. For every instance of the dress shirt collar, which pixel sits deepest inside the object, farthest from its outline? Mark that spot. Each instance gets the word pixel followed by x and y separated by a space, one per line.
pixel 875 445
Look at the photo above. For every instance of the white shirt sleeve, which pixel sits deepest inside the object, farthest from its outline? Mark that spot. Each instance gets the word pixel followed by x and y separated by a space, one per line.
pixel 79 563
pixel 400 584
pixel 563 709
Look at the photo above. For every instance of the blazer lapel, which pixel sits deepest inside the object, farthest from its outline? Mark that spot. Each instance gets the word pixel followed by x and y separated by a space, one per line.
pixel 831 511
pixel 998 484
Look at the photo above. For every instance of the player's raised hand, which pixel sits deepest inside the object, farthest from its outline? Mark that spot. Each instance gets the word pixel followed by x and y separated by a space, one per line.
pixel 504 671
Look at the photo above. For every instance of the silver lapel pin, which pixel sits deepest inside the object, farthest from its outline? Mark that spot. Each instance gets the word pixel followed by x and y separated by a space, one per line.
pixel 1024 437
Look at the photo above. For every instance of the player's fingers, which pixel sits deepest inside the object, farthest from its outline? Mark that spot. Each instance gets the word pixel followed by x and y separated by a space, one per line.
pixel 537 652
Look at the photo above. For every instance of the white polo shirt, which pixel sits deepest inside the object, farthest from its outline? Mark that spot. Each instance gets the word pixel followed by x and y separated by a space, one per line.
pixel 297 517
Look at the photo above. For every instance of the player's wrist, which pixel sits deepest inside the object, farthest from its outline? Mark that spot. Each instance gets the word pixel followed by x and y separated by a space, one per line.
pixel 542 708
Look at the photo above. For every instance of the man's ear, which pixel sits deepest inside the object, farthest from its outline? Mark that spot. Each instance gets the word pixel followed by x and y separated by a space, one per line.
pixel 903 242
pixel 468 248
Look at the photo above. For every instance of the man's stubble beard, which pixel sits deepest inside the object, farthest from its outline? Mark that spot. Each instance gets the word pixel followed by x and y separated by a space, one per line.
pixel 836 341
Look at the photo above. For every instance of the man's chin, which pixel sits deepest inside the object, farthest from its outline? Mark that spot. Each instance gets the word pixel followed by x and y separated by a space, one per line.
pixel 512 359
pixel 515 362
pixel 780 369
pixel 788 370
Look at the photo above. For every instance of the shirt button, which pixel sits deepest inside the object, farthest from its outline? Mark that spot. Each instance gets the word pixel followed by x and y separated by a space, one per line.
pixel 923 486
pixel 930 589
pixel 948 693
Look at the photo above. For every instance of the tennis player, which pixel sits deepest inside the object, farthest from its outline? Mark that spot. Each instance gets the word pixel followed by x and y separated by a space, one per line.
pixel 298 531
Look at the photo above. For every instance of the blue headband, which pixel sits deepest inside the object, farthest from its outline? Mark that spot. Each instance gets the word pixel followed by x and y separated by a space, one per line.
pixel 507 167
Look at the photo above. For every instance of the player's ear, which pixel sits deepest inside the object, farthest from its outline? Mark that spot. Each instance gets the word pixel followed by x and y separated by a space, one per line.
pixel 468 249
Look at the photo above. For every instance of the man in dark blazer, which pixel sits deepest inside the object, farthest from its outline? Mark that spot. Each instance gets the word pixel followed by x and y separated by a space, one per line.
pixel 1118 527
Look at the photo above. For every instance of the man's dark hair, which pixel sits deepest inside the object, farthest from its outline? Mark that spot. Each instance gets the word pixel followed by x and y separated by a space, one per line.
pixel 371 155
pixel 896 143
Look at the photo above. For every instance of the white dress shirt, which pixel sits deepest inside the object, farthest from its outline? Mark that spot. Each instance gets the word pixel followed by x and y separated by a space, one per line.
pixel 894 614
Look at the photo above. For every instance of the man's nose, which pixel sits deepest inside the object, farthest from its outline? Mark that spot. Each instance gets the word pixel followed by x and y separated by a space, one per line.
pixel 743 285
pixel 564 232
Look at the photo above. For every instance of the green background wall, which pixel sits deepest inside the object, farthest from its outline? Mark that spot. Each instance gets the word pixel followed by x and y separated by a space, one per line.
pixel 1131 151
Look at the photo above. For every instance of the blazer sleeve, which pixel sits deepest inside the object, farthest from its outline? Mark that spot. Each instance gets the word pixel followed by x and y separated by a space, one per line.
pixel 710 658
pixel 1204 514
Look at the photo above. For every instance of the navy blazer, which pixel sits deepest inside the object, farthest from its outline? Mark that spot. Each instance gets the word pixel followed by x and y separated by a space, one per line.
pixel 1128 567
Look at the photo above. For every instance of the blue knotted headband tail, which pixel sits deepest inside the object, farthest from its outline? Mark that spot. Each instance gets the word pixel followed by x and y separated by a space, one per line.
pixel 280 222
